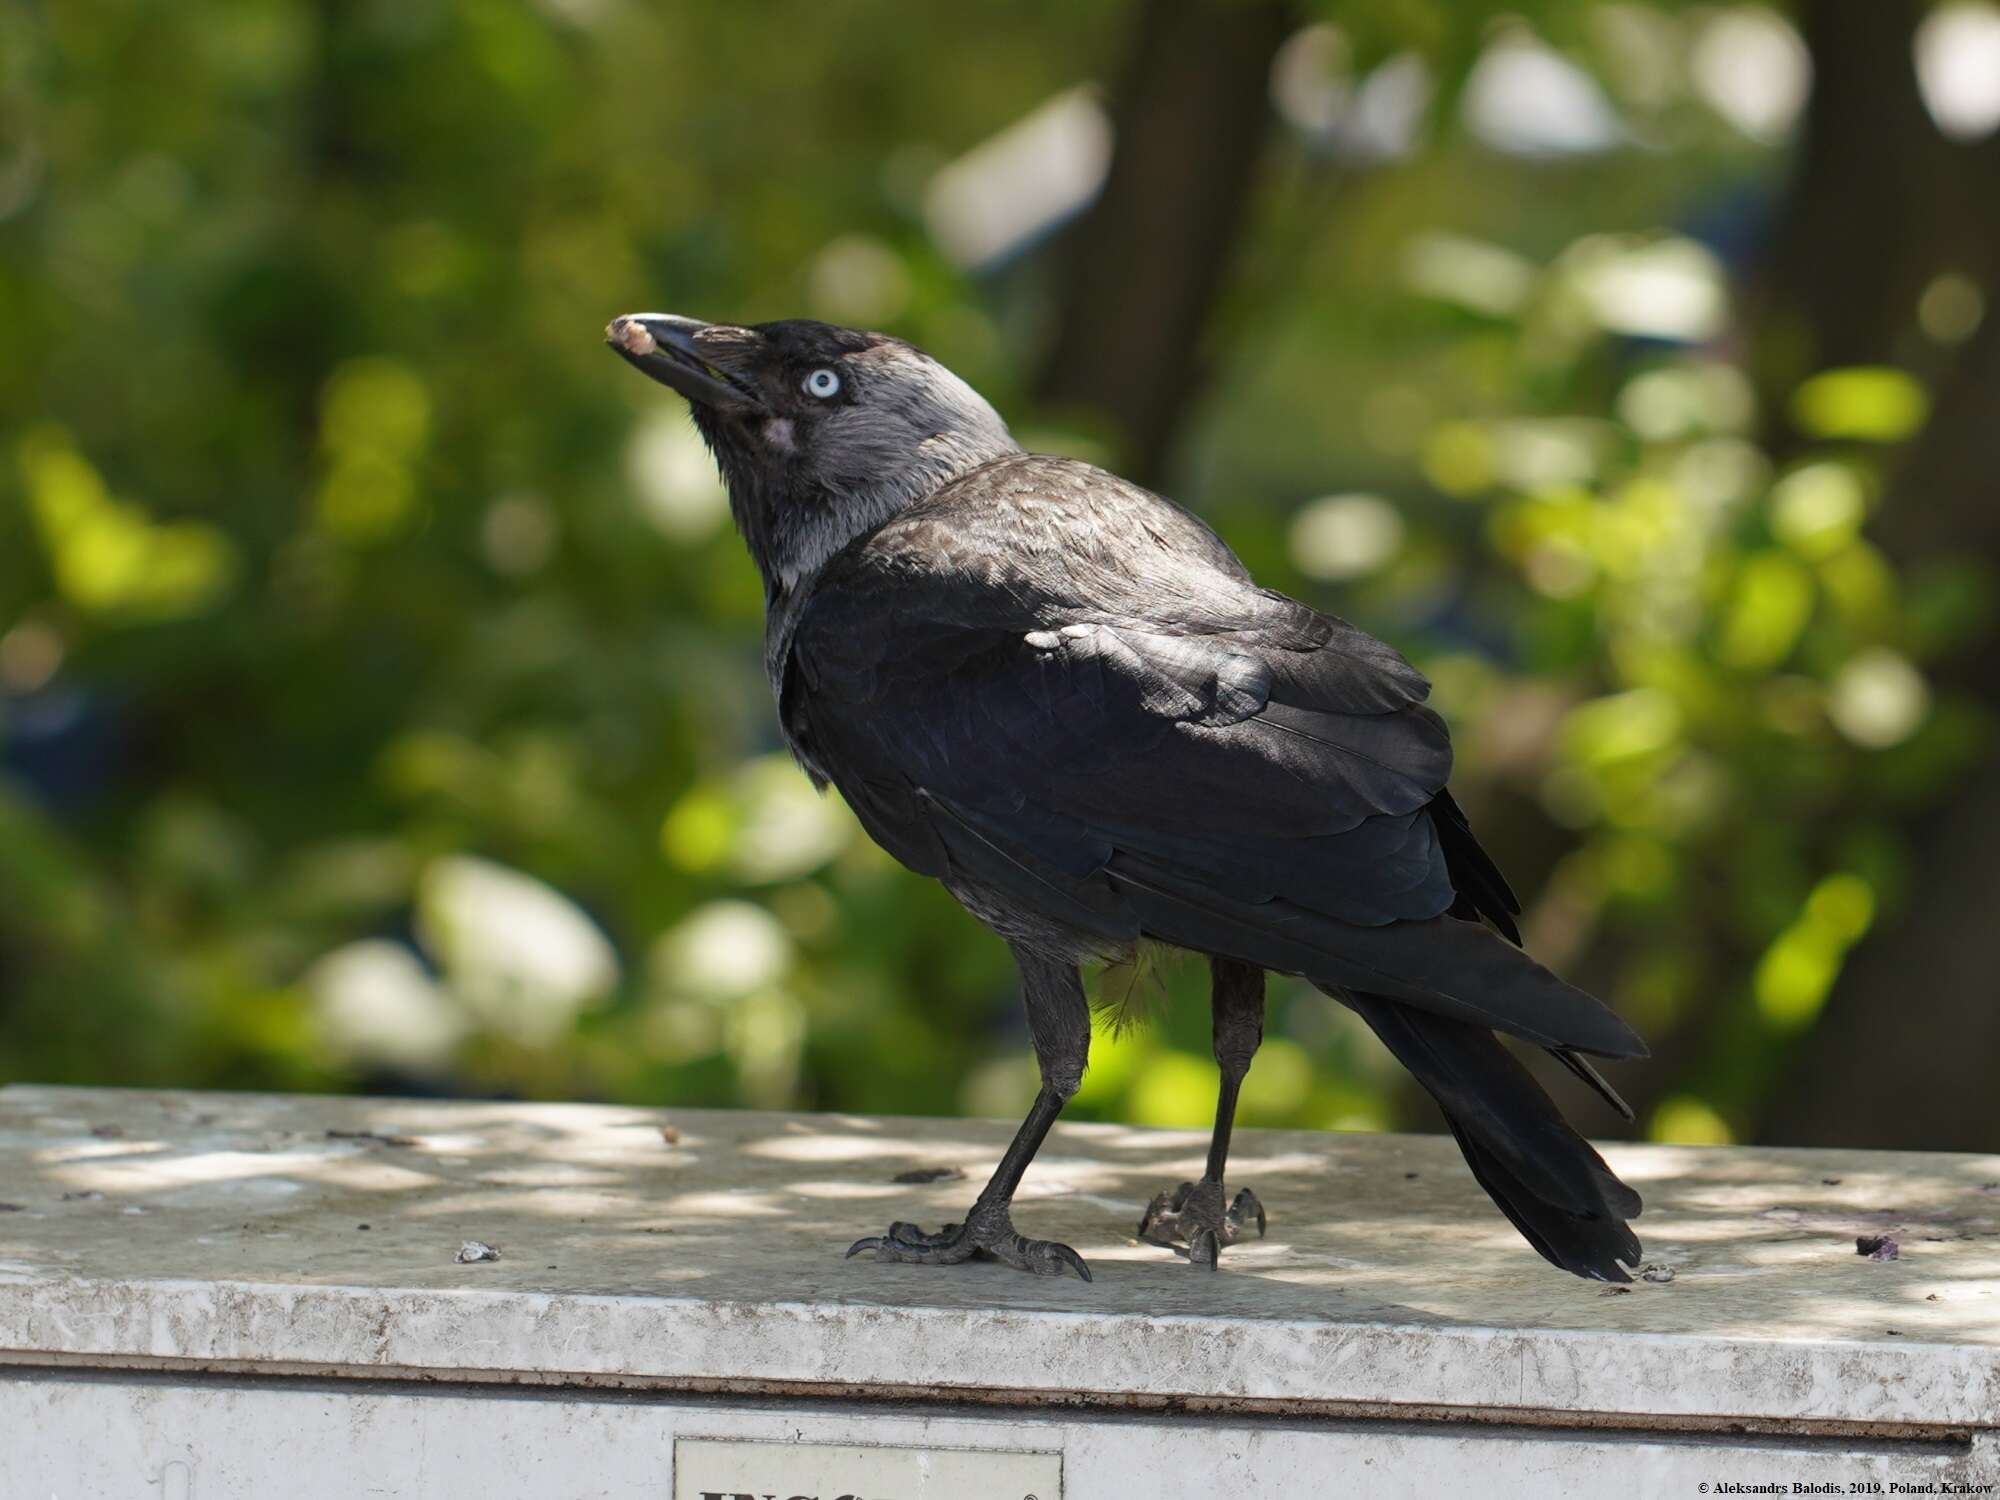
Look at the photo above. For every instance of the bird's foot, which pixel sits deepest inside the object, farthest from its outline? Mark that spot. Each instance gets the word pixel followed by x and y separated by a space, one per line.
pixel 1191 1221
pixel 988 1233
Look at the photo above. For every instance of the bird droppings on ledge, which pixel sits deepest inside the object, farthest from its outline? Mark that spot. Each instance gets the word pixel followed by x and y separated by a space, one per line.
pixel 1659 1275
pixel 87 1196
pixel 475 1250
pixel 1616 1291
pixel 930 1174
pixel 1878 1246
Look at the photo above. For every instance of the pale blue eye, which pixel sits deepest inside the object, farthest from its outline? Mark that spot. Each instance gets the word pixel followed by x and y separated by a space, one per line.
pixel 823 384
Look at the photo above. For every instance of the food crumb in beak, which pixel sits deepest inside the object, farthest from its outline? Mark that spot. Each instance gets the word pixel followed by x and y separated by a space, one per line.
pixel 631 335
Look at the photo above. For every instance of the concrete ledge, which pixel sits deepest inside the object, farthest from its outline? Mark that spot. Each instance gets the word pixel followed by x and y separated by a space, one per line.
pixel 227 1233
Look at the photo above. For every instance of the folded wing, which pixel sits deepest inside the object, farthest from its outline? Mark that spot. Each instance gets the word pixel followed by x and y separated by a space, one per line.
pixel 1204 763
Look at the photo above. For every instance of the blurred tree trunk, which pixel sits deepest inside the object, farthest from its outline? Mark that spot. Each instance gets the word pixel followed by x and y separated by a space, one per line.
pixel 1870 208
pixel 1878 203
pixel 1191 113
pixel 1904 1055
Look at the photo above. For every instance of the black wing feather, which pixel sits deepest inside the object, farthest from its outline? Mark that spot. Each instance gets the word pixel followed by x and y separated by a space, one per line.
pixel 1546 1178
pixel 1481 887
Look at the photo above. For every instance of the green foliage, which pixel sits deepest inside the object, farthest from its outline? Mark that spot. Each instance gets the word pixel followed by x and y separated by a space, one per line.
pixel 382 700
pixel 1743 710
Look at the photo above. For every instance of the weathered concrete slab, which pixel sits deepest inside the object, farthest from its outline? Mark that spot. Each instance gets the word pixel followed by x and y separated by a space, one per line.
pixel 318 1236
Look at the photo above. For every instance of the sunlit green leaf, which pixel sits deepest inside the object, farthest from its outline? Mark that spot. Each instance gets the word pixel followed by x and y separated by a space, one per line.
pixel 1874 404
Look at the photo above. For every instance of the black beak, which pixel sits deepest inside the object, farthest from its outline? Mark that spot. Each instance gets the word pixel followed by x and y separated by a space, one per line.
pixel 663 346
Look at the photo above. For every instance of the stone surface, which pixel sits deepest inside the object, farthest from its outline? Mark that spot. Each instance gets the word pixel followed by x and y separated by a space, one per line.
pixel 694 1250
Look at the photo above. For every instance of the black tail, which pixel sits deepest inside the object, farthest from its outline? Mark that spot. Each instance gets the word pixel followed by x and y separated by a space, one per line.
pixel 1545 1177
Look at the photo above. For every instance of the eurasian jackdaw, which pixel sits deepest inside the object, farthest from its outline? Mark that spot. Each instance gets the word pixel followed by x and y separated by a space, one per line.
pixel 1067 700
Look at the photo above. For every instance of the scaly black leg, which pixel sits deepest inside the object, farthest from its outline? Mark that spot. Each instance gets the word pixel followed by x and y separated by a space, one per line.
pixel 1059 1021
pixel 1191 1220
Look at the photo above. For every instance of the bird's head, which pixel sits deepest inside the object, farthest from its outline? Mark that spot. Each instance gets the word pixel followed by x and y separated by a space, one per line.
pixel 821 433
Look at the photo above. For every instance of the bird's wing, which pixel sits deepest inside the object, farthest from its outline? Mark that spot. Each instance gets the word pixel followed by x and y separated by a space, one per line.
pixel 1126 734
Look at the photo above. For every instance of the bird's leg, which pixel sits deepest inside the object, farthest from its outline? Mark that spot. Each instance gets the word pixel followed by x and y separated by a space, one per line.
pixel 1059 1021
pixel 1191 1219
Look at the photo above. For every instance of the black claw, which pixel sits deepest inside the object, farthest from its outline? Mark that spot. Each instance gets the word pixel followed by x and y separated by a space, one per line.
pixel 1155 1210
pixel 1071 1259
pixel 869 1242
pixel 1247 1203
